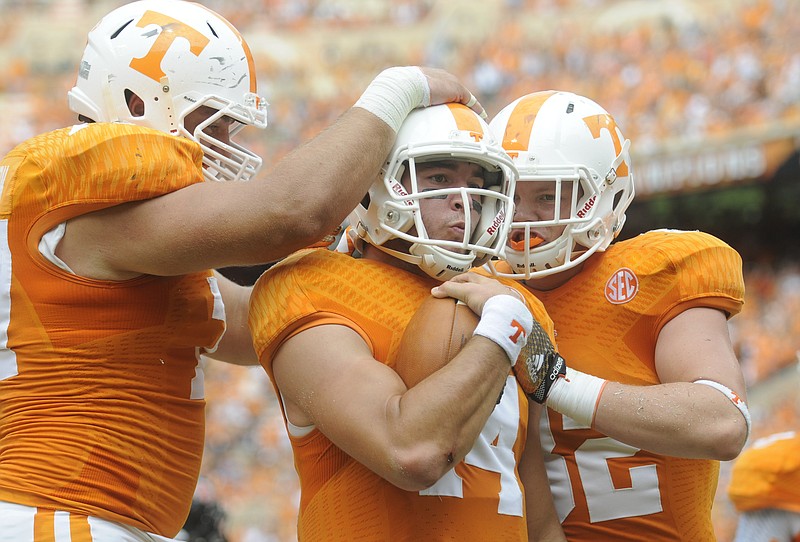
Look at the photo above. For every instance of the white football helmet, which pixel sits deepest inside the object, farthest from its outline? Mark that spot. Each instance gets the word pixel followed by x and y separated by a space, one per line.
pixel 441 132
pixel 176 56
pixel 573 144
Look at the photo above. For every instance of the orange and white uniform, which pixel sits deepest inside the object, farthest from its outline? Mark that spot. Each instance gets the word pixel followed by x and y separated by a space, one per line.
pixel 765 489
pixel 342 500
pixel 101 398
pixel 607 320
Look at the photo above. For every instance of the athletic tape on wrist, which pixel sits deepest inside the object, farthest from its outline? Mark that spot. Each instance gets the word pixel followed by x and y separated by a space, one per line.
pixel 734 398
pixel 506 321
pixel 577 395
pixel 394 93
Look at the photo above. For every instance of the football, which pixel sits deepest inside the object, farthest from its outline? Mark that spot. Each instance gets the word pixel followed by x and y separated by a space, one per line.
pixel 434 335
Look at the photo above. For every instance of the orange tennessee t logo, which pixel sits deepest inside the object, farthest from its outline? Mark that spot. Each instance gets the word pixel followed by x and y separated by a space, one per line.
pixel 600 122
pixel 171 29
pixel 519 331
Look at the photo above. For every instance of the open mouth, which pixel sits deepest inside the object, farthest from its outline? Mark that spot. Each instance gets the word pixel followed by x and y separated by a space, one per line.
pixel 517 241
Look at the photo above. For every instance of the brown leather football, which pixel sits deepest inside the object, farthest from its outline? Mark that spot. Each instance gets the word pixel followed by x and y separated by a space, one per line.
pixel 434 335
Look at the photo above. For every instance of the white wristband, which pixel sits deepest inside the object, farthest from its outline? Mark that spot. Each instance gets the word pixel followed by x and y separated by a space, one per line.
pixel 506 321
pixel 577 395
pixel 394 93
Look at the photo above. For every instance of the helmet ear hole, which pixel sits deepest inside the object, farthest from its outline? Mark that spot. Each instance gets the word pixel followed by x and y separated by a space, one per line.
pixel 617 199
pixel 135 103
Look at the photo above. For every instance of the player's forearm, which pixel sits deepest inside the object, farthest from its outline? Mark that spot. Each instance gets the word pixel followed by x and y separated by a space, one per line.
pixel 322 181
pixel 451 406
pixel 339 165
pixel 680 419
pixel 435 424
pixel 540 512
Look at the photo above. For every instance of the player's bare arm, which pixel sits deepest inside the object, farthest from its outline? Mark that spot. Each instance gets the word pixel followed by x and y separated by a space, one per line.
pixel 236 345
pixel 543 524
pixel 680 417
pixel 411 437
pixel 212 225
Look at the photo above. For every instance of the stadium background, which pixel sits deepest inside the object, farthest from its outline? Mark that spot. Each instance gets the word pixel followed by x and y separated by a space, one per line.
pixel 708 91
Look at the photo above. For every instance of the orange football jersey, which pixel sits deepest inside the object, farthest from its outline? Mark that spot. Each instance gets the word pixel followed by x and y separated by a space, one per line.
pixel 341 500
pixel 607 321
pixel 767 474
pixel 101 402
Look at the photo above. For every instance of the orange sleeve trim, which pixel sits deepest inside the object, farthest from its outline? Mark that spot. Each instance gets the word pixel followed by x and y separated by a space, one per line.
pixel 307 322
pixel 729 306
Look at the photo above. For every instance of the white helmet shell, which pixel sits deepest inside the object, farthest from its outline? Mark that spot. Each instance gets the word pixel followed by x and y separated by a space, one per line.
pixel 176 56
pixel 573 144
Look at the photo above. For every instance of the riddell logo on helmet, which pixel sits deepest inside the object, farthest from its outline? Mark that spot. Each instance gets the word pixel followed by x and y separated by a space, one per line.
pixel 622 286
pixel 587 207
pixel 498 220
pixel 398 189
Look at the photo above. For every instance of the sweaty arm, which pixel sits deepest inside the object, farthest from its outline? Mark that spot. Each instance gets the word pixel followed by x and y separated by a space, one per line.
pixel 543 524
pixel 683 417
pixel 304 197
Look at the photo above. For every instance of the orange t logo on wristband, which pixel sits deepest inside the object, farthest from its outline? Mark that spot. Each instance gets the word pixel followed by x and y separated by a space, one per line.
pixel 520 331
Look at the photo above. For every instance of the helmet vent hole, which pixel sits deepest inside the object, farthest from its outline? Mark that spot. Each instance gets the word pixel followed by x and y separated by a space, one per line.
pixel 212 29
pixel 120 29
pixel 570 107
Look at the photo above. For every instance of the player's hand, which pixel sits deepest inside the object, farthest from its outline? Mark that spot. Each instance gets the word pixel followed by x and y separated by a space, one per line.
pixel 472 289
pixel 445 87
pixel 539 366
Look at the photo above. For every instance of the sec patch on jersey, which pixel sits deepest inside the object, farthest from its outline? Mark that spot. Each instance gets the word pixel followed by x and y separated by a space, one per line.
pixel 434 335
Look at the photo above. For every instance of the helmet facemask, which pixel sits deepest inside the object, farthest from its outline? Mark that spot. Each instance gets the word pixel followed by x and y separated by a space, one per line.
pixel 396 209
pixel 223 160
pixel 527 252
pixel 572 149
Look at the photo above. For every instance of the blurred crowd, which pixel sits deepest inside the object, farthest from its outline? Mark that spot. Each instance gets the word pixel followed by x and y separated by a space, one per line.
pixel 685 70
pixel 667 70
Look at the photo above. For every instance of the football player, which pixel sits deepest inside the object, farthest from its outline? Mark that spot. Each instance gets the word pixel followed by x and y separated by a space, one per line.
pixel 765 489
pixel 654 396
pixel 442 460
pixel 108 230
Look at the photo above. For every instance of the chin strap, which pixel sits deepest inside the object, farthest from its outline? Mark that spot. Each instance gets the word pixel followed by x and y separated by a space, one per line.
pixel 408 258
pixel 611 176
